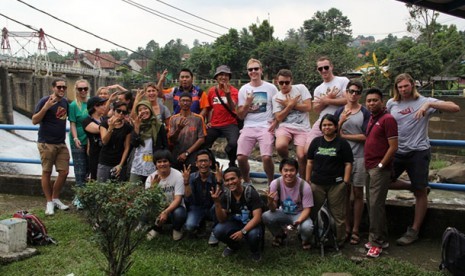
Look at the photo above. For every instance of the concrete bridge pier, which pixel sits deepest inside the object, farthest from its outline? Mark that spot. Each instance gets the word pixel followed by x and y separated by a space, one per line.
pixel 6 103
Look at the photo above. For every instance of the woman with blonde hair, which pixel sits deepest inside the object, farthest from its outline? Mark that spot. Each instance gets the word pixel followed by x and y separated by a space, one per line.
pixel 77 135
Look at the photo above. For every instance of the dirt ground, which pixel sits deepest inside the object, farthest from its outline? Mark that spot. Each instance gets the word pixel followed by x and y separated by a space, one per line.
pixel 425 253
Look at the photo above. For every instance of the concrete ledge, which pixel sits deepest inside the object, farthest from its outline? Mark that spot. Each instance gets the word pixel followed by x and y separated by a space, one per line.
pixel 17 256
pixel 30 185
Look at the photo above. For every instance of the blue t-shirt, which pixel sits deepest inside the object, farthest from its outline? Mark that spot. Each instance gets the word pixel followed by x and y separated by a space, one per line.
pixel 52 129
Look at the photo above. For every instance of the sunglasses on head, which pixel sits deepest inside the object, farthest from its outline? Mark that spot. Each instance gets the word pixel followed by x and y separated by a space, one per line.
pixel 61 87
pixel 284 82
pixel 80 89
pixel 351 91
pixel 253 69
pixel 124 112
pixel 326 68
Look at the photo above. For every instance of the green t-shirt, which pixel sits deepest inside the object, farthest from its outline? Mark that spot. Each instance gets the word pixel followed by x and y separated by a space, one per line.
pixel 77 115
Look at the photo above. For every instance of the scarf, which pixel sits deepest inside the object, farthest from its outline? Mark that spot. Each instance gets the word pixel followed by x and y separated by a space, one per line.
pixel 151 126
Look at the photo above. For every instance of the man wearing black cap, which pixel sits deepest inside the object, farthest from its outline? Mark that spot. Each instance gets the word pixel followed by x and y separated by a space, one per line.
pixel 221 113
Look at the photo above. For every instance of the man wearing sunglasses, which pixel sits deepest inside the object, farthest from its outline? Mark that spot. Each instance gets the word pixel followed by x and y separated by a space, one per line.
pixel 51 112
pixel 255 107
pixel 291 107
pixel 328 96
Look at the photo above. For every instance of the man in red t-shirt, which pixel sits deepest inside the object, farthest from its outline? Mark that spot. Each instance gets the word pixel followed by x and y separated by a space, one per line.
pixel 221 113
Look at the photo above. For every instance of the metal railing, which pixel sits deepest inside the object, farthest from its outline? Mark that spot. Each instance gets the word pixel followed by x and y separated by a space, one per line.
pixel 441 143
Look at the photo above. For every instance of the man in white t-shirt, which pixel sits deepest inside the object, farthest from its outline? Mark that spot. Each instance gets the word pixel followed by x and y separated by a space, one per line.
pixel 171 182
pixel 255 107
pixel 328 96
pixel 290 107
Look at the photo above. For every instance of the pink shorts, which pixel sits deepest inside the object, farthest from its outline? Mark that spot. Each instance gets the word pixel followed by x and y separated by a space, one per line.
pixel 298 135
pixel 250 136
pixel 315 132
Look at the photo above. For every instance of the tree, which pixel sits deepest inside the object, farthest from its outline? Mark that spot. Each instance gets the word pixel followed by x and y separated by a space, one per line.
pixel 330 25
pixel 227 50
pixel 118 54
pixel 262 32
pixel 200 61
pixel 375 74
pixel 423 23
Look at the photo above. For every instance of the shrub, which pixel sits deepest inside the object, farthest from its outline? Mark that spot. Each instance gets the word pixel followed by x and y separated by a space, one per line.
pixel 114 211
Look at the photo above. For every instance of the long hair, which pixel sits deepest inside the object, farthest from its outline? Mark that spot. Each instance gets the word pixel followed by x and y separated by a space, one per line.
pixel 76 92
pixel 402 77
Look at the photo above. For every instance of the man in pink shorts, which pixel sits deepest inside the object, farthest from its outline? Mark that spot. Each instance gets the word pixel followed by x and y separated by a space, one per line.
pixel 255 107
pixel 290 107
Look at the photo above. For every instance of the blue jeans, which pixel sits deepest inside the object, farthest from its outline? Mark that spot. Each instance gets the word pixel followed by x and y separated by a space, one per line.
pixel 277 220
pixel 224 230
pixel 177 218
pixel 196 214
pixel 80 164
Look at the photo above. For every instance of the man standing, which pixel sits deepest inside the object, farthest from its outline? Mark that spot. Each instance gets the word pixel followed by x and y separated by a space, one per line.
pixel 51 113
pixel 198 186
pixel 255 107
pixel 239 213
pixel 186 133
pixel 353 120
pixel 222 118
pixel 291 106
pixel 186 79
pixel 380 147
pixel 328 96
pixel 412 113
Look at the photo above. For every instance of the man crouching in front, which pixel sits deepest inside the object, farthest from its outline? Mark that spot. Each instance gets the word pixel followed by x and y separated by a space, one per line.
pixel 238 210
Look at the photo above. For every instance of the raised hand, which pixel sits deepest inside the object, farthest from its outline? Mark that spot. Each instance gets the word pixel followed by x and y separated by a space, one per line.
pixel 186 172
pixel 219 173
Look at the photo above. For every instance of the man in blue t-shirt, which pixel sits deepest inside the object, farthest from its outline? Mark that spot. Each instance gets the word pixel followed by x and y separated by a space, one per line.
pixel 51 112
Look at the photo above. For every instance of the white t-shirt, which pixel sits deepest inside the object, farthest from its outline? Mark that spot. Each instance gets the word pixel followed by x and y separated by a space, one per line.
pixel 171 186
pixel 261 111
pixel 324 88
pixel 295 119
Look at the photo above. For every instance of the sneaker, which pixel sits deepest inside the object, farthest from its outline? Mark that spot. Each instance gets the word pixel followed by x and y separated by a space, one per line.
pixel 256 257
pixel 60 204
pixel 151 235
pixel 374 252
pixel 384 245
pixel 409 237
pixel 177 235
pixel 213 240
pixel 77 203
pixel 227 252
pixel 49 211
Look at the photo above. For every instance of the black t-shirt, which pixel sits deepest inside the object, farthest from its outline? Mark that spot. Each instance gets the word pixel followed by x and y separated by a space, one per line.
pixel 95 142
pixel 52 128
pixel 236 208
pixel 329 160
pixel 111 153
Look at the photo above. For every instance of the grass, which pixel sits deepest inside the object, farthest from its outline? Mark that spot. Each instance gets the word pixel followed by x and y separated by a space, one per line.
pixel 76 253
pixel 438 164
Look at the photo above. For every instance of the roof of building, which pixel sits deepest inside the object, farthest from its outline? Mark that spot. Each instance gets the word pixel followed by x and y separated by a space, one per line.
pixel 452 7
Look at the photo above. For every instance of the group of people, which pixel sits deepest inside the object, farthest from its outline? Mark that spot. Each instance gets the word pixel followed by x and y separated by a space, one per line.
pixel 349 148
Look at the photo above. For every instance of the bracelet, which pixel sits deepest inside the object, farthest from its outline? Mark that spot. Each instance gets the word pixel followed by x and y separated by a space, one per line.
pixel 75 139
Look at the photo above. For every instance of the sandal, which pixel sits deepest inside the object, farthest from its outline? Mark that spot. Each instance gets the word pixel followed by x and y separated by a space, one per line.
pixel 278 241
pixel 355 238
pixel 306 246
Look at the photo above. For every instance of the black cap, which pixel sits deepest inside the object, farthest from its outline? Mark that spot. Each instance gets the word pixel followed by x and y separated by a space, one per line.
pixel 92 102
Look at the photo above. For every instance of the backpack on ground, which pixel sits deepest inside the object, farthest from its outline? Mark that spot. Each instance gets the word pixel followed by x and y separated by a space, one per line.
pixel 453 251
pixel 325 229
pixel 36 231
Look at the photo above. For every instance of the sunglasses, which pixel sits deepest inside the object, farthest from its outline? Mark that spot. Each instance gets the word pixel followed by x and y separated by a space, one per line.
pixel 251 69
pixel 61 87
pixel 326 68
pixel 284 82
pixel 358 92
pixel 124 112
pixel 80 89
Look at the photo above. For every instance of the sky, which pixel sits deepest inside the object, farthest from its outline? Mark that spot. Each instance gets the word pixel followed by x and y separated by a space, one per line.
pixel 123 23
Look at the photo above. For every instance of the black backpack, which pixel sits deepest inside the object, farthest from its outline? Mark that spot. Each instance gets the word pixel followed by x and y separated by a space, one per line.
pixel 453 251
pixel 325 229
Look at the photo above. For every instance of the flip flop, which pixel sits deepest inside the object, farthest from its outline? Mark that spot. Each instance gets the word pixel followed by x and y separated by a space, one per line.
pixel 355 238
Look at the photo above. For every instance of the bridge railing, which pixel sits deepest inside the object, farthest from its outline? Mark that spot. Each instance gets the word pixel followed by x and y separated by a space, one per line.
pixel 433 142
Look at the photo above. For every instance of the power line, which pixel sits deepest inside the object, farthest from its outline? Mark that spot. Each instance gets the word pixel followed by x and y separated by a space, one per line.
pixel 191 14
pixel 159 14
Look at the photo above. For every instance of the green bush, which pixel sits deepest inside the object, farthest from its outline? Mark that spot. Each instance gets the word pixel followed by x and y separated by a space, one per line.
pixel 114 211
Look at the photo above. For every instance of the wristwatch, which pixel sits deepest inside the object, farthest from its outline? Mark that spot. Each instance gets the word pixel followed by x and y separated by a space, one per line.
pixel 186 153
pixel 243 231
pixel 380 165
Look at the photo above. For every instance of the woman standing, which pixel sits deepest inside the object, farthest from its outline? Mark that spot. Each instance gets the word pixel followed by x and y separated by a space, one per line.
pixel 150 92
pixel 148 136
pixel 329 167
pixel 77 135
pixel 116 136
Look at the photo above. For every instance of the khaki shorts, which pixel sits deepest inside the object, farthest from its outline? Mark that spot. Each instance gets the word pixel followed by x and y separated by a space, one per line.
pixel 54 154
